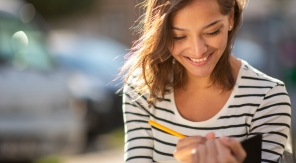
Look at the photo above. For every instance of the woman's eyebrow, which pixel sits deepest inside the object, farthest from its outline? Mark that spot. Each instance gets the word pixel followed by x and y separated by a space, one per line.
pixel 177 28
pixel 207 26
pixel 213 23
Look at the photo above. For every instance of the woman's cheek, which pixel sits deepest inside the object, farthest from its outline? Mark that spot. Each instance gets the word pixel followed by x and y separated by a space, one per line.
pixel 222 41
pixel 178 49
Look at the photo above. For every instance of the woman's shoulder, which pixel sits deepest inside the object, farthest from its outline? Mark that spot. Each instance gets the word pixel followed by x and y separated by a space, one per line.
pixel 253 76
pixel 132 84
pixel 254 82
pixel 132 81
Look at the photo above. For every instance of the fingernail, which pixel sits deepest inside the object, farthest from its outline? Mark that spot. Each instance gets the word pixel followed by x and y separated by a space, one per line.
pixel 211 135
pixel 193 151
pixel 226 138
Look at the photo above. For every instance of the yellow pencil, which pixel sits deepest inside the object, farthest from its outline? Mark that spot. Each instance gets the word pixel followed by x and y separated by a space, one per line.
pixel 172 132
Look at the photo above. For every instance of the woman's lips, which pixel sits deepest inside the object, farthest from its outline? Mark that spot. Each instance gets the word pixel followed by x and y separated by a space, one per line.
pixel 201 61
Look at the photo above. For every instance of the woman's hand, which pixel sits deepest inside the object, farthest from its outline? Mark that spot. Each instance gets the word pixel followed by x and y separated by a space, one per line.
pixel 235 147
pixel 209 150
pixel 185 146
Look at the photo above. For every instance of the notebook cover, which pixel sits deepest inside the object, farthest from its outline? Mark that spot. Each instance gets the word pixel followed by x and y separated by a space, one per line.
pixel 253 148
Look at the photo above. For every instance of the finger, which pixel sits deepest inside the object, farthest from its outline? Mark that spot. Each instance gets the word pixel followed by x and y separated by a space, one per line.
pixel 224 154
pixel 184 154
pixel 202 153
pixel 190 140
pixel 195 156
pixel 211 136
pixel 235 147
pixel 211 150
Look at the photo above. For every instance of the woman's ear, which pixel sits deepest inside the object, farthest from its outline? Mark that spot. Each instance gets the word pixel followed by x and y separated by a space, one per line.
pixel 231 19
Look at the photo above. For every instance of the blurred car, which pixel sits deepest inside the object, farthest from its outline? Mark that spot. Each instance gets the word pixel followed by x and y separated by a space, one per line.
pixel 99 59
pixel 251 52
pixel 37 111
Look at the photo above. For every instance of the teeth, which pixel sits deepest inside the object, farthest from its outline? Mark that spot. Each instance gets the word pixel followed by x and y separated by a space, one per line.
pixel 199 60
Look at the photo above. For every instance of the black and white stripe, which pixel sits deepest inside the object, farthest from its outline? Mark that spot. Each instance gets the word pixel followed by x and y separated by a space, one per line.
pixel 260 105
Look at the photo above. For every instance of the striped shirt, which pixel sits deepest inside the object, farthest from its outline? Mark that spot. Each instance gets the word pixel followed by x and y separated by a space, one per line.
pixel 257 104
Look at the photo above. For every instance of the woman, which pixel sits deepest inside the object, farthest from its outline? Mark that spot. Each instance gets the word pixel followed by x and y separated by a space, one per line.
pixel 180 73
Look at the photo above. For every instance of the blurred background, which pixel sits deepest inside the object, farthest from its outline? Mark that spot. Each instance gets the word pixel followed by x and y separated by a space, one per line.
pixel 58 59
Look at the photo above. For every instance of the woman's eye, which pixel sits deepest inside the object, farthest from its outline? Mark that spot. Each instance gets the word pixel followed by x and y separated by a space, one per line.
pixel 180 38
pixel 213 33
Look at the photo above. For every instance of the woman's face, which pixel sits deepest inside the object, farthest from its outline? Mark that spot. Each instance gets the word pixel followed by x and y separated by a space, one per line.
pixel 200 36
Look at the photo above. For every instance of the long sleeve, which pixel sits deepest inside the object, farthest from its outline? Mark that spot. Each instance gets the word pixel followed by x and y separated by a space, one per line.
pixel 138 136
pixel 273 119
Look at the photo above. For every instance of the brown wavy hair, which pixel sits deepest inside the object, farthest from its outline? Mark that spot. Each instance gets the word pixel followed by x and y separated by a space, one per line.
pixel 151 57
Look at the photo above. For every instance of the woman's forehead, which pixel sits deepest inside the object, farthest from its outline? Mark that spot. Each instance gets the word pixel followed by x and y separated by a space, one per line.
pixel 201 11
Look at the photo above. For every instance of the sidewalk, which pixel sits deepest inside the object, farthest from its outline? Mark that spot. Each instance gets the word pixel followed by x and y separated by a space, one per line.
pixel 109 156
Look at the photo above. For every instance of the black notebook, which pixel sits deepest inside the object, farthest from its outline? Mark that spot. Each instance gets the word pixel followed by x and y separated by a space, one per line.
pixel 253 148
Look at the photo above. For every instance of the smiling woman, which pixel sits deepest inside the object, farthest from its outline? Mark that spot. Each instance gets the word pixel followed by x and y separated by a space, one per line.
pixel 199 45
pixel 181 74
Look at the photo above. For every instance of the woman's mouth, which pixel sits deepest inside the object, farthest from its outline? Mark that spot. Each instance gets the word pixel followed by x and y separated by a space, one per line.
pixel 198 60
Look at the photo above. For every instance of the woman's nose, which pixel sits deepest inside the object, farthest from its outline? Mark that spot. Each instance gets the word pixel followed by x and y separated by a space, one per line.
pixel 198 47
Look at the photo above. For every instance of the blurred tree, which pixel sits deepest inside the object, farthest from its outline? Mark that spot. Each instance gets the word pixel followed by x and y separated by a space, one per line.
pixel 61 8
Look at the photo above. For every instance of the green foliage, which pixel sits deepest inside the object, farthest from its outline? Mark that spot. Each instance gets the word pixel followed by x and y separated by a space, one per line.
pixel 293 75
pixel 58 8
pixel 117 137
pixel 49 159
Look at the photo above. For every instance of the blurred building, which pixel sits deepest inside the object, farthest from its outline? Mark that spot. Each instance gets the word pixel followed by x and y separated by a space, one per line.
pixel 110 18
